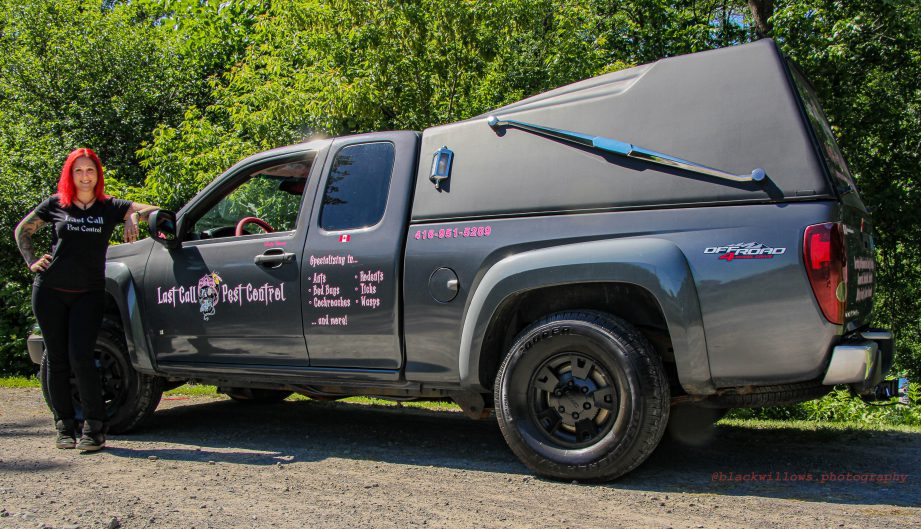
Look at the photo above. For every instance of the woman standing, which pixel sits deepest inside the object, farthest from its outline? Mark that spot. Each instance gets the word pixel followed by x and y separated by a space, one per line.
pixel 68 295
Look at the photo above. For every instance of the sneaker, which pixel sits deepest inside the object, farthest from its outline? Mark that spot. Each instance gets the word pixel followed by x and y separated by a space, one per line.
pixel 65 438
pixel 94 437
pixel 91 442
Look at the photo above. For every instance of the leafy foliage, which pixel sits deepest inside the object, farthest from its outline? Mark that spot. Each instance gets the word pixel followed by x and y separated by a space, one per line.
pixel 864 58
pixel 73 74
pixel 840 406
pixel 329 68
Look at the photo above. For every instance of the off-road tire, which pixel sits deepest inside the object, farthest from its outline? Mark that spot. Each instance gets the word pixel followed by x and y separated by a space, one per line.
pixel 609 353
pixel 257 395
pixel 130 397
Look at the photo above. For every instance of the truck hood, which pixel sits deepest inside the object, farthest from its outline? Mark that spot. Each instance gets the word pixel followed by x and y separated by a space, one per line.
pixel 120 251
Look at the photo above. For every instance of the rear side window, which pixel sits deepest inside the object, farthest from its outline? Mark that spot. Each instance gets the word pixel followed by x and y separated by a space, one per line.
pixel 357 186
pixel 834 160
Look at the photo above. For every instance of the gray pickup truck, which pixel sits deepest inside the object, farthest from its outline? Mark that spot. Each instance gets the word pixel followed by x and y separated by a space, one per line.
pixel 585 262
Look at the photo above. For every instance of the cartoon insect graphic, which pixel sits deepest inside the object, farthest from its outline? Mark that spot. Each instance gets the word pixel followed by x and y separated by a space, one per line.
pixel 207 294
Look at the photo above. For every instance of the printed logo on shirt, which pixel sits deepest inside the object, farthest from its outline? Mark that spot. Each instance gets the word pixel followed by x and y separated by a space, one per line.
pixel 85 224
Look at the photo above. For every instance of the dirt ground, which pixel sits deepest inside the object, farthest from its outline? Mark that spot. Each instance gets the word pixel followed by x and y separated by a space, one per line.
pixel 204 462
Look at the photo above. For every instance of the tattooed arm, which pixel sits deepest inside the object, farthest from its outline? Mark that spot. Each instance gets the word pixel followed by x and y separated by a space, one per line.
pixel 136 213
pixel 23 233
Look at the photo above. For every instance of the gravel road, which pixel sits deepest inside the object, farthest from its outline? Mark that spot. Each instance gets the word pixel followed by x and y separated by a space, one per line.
pixel 208 462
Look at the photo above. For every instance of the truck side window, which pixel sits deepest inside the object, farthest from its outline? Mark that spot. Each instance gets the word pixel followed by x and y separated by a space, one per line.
pixel 271 194
pixel 357 186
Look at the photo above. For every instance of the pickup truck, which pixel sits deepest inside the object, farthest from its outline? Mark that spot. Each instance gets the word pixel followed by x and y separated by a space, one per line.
pixel 585 262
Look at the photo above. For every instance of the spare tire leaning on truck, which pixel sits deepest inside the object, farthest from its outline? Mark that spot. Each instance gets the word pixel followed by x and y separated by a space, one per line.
pixel 588 262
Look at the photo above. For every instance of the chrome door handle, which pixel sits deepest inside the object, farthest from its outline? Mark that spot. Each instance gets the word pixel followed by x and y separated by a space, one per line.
pixel 273 258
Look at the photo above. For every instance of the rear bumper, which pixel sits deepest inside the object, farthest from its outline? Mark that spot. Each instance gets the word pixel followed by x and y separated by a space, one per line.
pixel 863 362
pixel 36 346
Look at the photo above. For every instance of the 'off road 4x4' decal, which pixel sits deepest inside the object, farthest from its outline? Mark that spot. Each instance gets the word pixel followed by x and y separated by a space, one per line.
pixel 744 250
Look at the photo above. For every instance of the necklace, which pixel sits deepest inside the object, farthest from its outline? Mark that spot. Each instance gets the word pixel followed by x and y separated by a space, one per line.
pixel 84 205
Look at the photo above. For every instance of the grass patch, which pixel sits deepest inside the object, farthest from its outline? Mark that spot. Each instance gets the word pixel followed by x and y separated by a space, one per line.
pixel 424 404
pixel 372 401
pixel 19 382
pixel 201 390
pixel 193 390
pixel 818 426
pixel 840 407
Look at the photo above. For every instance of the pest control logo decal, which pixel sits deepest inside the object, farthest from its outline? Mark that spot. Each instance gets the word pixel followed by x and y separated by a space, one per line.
pixel 744 250
pixel 207 294
pixel 212 290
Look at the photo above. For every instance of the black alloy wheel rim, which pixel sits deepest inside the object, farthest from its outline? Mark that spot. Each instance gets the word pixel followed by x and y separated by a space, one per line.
pixel 573 400
pixel 112 381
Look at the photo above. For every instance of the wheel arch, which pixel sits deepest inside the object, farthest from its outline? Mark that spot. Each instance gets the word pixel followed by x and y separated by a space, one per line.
pixel 122 303
pixel 645 281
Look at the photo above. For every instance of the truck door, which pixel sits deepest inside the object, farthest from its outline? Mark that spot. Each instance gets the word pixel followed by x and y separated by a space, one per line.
pixel 354 250
pixel 231 293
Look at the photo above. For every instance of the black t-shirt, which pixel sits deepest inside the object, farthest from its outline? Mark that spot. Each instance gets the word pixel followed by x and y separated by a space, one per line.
pixel 79 242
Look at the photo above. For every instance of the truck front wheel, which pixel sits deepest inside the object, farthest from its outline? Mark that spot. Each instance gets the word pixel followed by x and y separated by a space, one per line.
pixel 130 397
pixel 582 395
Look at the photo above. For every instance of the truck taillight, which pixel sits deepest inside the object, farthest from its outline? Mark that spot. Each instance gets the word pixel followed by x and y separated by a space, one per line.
pixel 826 265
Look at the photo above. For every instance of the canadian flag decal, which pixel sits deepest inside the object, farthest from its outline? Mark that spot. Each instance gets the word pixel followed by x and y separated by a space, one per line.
pixel 345 238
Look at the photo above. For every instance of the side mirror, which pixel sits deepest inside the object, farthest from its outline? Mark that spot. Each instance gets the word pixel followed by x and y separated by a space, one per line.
pixel 162 225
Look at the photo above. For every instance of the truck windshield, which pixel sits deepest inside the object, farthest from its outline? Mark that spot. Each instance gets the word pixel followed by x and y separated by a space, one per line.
pixel 834 160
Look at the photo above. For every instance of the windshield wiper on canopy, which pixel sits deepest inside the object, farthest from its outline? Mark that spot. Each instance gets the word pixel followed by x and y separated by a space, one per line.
pixel 625 149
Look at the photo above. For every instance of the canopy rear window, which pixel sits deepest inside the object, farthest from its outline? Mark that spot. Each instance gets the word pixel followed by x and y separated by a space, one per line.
pixel 834 160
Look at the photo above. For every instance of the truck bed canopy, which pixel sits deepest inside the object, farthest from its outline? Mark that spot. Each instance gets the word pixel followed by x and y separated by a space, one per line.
pixel 733 109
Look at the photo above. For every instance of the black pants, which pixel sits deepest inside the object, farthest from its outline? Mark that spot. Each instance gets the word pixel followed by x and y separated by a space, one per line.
pixel 70 322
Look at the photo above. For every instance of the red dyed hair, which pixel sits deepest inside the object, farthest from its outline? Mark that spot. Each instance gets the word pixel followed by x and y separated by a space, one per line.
pixel 66 189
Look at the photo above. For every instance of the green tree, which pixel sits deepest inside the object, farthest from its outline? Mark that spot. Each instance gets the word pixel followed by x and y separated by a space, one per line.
pixel 352 66
pixel 864 58
pixel 74 74
pixel 643 31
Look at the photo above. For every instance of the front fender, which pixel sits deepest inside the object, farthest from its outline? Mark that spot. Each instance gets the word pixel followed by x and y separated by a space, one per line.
pixel 656 265
pixel 121 287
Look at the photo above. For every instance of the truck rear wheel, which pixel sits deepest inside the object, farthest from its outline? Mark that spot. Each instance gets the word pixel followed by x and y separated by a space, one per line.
pixel 582 395
pixel 130 397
